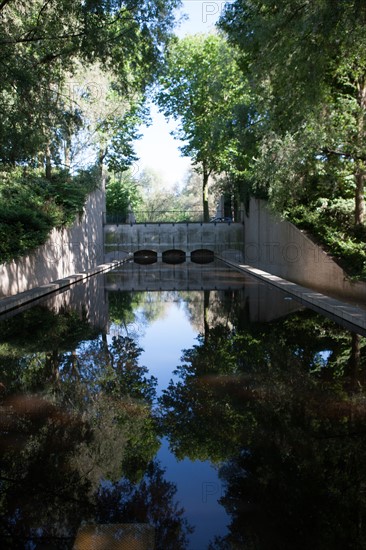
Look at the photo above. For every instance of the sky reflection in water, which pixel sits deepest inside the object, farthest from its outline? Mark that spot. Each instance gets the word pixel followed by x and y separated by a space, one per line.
pixel 198 484
pixel 163 342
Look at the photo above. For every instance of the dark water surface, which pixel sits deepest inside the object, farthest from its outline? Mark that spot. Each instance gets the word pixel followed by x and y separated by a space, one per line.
pixel 200 410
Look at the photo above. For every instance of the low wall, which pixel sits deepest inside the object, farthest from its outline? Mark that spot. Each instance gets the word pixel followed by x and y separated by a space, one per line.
pixel 67 251
pixel 280 248
pixel 160 237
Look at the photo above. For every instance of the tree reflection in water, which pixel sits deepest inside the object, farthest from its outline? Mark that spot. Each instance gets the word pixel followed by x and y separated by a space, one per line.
pixel 70 419
pixel 279 407
pixel 151 501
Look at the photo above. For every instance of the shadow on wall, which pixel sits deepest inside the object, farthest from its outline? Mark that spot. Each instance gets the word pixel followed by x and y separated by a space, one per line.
pixel 67 251
pixel 278 247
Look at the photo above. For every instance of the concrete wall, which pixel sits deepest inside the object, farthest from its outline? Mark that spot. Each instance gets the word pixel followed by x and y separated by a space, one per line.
pixel 67 251
pixel 280 248
pixel 218 237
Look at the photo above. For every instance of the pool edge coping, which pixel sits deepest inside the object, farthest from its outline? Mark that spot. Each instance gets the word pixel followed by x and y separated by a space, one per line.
pixel 9 303
pixel 307 296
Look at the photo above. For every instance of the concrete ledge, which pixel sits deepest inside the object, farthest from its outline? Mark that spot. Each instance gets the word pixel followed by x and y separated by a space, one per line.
pixel 353 316
pixel 12 302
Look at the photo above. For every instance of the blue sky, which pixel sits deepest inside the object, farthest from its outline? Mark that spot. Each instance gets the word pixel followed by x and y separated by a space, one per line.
pixel 158 149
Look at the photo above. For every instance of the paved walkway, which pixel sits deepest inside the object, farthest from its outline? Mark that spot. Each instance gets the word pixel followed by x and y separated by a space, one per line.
pixel 352 316
pixel 13 302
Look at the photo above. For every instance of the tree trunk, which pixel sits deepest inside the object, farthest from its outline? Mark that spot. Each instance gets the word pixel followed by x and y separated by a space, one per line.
pixel 74 364
pixel 67 153
pixel 360 195
pixel 101 156
pixel 48 162
pixel 206 213
pixel 52 366
pixel 360 168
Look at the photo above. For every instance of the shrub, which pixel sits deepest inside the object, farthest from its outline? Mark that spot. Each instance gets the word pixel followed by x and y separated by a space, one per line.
pixel 21 230
pixel 30 206
pixel 330 223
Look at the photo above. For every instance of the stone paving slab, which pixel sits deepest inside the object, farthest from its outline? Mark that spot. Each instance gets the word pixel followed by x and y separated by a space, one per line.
pixel 352 315
pixel 12 302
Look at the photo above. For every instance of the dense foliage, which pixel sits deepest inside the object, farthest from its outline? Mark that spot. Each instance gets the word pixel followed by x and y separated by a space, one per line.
pixel 306 65
pixel 273 105
pixel 122 196
pixel 31 205
pixel 73 79
pixel 44 44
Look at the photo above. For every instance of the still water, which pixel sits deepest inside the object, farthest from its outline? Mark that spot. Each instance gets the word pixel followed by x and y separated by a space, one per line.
pixel 190 406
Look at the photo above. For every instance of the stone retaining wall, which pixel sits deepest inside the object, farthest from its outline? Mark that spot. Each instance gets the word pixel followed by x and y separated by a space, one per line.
pixel 67 251
pixel 278 247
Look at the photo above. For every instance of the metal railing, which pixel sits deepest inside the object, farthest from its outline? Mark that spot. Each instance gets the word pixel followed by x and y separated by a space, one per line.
pixel 155 216
pixel 162 216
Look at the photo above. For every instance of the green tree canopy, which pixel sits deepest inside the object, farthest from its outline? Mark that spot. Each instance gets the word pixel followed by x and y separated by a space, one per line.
pixel 41 45
pixel 122 195
pixel 307 65
pixel 201 87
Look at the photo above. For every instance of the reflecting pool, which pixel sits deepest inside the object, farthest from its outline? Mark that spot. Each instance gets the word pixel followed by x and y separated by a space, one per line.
pixel 180 407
